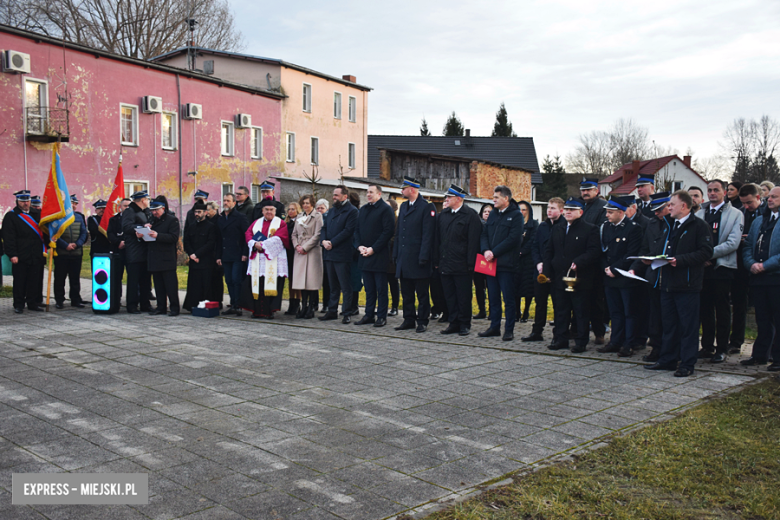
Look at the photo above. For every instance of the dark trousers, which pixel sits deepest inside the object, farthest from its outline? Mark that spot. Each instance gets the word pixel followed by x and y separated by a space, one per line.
pixel 566 303
pixel 598 309
pixel 67 268
pixel 340 279
pixel 166 288
pixel 640 300
pixel 739 302
pixel 117 271
pixel 375 283
pixel 621 314
pixel 766 299
pixel 325 286
pixel 139 285
pixel 480 285
pixel 437 295
pixel 542 293
pixel 457 293
pixel 39 278
pixel 715 312
pixel 655 330
pixel 502 284
pixel 28 284
pixel 199 287
pixel 394 289
pixel 680 314
pixel 233 277
pixel 418 286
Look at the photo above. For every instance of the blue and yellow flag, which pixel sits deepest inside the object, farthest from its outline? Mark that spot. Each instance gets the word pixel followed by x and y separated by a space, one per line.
pixel 56 211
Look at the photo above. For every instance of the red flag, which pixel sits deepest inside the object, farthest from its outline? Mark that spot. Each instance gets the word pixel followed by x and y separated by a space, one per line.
pixel 117 194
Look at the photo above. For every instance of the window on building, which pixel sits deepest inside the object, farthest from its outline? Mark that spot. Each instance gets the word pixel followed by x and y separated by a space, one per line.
pixel 337 105
pixel 306 97
pixel 128 119
pixel 35 101
pixel 257 143
pixel 255 193
pixel 676 185
pixel 169 130
pixel 135 186
pixel 290 147
pixel 351 156
pixel 228 133
pixel 227 188
pixel 315 150
pixel 352 109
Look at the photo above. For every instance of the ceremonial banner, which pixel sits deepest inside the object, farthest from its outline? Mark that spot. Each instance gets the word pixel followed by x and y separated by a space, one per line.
pixel 56 212
pixel 117 194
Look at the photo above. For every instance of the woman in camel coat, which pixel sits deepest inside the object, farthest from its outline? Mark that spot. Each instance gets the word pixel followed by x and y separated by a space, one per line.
pixel 307 267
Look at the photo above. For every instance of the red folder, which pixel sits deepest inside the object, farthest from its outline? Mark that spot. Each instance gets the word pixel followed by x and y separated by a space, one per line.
pixel 212 305
pixel 484 267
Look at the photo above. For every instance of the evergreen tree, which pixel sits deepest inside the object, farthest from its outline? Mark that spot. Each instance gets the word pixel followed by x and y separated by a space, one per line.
pixel 742 169
pixel 502 128
pixel 553 180
pixel 453 127
pixel 424 128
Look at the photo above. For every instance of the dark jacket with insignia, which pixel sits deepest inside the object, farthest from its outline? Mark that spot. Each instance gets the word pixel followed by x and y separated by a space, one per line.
pixel 580 246
pixel 98 241
pixel 457 241
pixel 617 243
pixel 162 251
pixel 232 229
pixel 20 240
pixel 339 228
pixel 116 235
pixel 642 220
pixel 502 235
pixel 414 235
pixel 595 212
pixel 375 228
pixel 691 246
pixel 135 247
pixel 200 239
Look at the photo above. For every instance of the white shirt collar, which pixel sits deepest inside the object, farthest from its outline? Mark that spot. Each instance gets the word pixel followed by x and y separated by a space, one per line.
pixel 716 208
pixel 682 220
pixel 456 210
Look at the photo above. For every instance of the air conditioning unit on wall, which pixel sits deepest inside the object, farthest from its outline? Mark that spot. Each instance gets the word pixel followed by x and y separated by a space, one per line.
pixel 152 105
pixel 193 111
pixel 14 61
pixel 243 120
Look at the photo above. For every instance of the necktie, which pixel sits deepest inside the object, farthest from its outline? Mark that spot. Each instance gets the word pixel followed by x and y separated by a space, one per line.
pixel 676 226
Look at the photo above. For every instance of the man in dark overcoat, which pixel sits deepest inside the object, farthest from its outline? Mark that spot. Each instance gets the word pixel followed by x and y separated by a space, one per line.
pixel 24 244
pixel 139 281
pixel 456 246
pixel 573 251
pixel 375 228
pixel 412 251
pixel 232 225
pixel 200 243
pixel 116 238
pixel 594 212
pixel 338 231
pixel 162 259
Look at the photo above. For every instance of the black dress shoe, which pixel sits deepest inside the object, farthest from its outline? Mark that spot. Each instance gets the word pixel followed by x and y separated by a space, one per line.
pixel 532 337
pixel 18 310
pixel 489 333
pixel 158 312
pixel 35 308
pixel 436 315
pixel 329 316
pixel 450 330
pixel 481 315
pixel 228 312
pixel 173 313
pixel 393 312
pixel 659 366
pixel 508 336
pixel 133 311
pixel 718 358
pixel 406 325
pixel 421 328
pixel 683 372
pixel 365 320
pixel 653 356
pixel 749 362
pixel 346 320
pixel 577 350
pixel 558 346
pixel 59 305
pixel 608 349
pixel 464 332
pixel 239 312
pixel 640 345
pixel 444 319
pixel 774 367
pixel 705 354
pixel 78 305
pixel 625 352
pixel 380 322
pixel 735 349
pixel 523 320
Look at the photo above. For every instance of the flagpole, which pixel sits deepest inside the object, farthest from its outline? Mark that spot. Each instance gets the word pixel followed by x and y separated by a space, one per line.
pixel 52 246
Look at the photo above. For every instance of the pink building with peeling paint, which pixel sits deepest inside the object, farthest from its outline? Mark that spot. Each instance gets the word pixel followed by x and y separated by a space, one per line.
pixel 175 130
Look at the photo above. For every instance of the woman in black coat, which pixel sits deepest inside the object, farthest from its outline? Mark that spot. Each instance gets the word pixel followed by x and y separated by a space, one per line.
pixel 527 272
pixel 480 280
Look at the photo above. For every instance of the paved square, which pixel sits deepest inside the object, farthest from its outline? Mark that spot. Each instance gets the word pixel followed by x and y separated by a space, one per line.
pixel 239 418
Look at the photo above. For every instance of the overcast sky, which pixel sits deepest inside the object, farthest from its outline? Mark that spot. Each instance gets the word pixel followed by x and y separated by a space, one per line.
pixel 683 69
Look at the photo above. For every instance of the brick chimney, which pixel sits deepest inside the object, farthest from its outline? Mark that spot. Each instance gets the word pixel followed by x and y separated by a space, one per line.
pixel 351 79
pixel 687 161
pixel 468 132
pixel 635 167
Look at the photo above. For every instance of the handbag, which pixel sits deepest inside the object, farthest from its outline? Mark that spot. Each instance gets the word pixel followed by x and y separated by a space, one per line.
pixel 482 266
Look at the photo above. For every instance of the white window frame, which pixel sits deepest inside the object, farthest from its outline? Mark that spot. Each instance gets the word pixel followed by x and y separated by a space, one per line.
pixel 674 185
pixel 174 130
pixel 352 109
pixel 337 105
pixel 134 108
pixel 351 155
pixel 43 103
pixel 231 188
pixel 144 185
pixel 254 192
pixel 314 146
pixel 307 99
pixel 231 139
pixel 257 149
pixel 289 144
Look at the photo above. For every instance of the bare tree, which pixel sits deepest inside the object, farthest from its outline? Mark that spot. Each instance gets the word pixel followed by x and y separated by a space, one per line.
pixel 134 28
pixel 628 142
pixel 592 155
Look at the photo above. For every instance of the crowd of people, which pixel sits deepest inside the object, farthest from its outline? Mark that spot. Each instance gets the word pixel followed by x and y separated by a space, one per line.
pixel 652 268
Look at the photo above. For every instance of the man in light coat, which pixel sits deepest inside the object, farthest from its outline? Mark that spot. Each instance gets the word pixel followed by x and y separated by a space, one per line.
pixel 726 223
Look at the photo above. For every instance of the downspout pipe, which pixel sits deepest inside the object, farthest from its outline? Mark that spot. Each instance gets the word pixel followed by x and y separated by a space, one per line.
pixel 181 190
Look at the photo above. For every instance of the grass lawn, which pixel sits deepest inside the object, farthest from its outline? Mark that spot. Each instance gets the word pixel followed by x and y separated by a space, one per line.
pixel 718 461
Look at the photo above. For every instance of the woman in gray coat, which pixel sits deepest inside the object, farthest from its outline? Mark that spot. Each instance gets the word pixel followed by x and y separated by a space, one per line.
pixel 307 267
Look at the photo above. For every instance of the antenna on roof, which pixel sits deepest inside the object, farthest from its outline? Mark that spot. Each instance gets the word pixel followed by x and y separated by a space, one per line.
pixel 191 23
